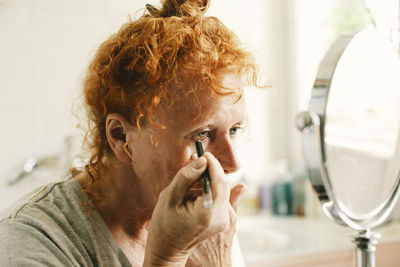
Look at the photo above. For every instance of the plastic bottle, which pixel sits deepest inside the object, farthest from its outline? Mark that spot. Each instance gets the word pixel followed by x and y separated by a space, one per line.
pixel 299 191
pixel 282 191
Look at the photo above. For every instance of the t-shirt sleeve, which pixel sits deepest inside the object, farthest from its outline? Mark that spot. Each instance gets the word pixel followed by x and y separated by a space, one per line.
pixel 22 244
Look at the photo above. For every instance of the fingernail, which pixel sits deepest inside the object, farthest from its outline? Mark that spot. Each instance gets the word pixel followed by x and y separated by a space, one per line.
pixel 199 163
pixel 243 191
pixel 193 156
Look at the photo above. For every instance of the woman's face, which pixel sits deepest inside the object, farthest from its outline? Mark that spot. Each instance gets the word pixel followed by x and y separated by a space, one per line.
pixel 159 154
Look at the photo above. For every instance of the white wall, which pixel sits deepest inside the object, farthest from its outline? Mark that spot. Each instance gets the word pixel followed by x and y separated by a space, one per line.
pixel 45 46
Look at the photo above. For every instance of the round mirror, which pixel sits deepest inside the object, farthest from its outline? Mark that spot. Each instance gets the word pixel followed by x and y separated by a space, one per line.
pixel 362 122
pixel 351 135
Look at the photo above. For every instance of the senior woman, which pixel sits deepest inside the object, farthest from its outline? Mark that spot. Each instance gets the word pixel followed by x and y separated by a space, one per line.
pixel 164 81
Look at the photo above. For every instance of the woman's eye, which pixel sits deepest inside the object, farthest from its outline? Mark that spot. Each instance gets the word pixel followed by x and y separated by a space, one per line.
pixel 234 130
pixel 202 135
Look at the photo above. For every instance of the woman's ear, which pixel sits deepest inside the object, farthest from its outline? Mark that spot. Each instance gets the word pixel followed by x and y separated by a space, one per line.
pixel 116 129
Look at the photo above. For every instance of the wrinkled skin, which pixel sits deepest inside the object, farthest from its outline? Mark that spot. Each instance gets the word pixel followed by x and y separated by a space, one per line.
pixel 216 250
pixel 204 234
pixel 151 205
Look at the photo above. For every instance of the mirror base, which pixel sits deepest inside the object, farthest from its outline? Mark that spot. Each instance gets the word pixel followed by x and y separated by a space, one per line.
pixel 366 245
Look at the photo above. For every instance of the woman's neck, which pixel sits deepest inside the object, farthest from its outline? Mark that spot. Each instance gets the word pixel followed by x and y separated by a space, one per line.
pixel 125 209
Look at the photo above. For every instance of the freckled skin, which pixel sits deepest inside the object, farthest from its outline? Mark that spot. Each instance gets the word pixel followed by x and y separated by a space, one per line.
pixel 146 204
pixel 158 165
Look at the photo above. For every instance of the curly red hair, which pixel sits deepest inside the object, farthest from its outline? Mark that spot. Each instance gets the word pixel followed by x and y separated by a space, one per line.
pixel 164 53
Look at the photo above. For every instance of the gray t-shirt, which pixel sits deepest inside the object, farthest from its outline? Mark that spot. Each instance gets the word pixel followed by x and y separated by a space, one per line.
pixel 52 227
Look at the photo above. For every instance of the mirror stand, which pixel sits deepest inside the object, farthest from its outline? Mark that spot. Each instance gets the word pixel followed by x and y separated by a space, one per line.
pixel 366 245
pixel 310 125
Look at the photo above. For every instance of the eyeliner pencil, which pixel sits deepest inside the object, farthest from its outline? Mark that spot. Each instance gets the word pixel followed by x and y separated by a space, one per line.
pixel 204 179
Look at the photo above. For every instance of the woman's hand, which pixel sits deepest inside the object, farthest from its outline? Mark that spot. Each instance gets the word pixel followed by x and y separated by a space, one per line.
pixel 216 250
pixel 179 224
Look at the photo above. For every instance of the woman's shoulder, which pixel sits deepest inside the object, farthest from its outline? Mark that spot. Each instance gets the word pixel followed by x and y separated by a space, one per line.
pixel 48 198
pixel 43 224
pixel 52 226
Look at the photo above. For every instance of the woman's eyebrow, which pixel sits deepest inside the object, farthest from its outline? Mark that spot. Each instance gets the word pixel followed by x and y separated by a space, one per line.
pixel 202 128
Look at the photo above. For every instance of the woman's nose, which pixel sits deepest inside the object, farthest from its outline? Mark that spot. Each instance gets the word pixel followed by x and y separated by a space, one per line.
pixel 225 152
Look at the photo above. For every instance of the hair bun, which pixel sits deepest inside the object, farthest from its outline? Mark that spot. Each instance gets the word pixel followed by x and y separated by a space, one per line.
pixel 179 8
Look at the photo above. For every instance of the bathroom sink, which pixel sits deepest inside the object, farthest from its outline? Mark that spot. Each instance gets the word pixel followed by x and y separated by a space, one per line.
pixel 266 239
pixel 259 237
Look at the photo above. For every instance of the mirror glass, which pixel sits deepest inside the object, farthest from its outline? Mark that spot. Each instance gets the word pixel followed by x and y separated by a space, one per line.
pixel 362 124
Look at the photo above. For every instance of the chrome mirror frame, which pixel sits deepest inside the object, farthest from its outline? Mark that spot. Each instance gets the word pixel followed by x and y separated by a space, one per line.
pixel 311 124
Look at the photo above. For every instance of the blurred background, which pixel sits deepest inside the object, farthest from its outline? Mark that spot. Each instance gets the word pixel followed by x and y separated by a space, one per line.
pixel 45 47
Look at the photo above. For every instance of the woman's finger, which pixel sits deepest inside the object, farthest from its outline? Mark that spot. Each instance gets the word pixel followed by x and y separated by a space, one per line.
pixel 236 193
pixel 219 182
pixel 185 178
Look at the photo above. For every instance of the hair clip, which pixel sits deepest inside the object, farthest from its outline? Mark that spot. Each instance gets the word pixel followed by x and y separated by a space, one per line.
pixel 152 10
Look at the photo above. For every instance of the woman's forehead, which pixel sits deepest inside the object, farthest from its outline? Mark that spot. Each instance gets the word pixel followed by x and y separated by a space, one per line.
pixel 229 92
pixel 200 105
pixel 208 110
